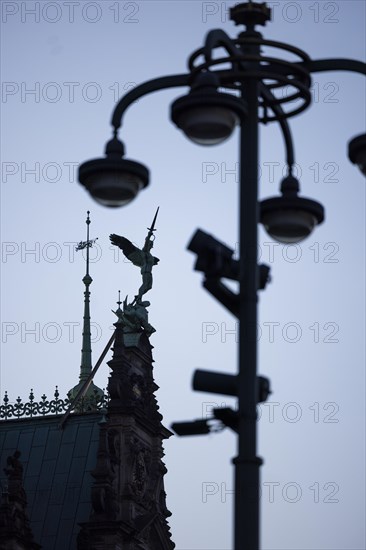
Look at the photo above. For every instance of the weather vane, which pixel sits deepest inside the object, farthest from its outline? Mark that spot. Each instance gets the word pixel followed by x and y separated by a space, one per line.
pixel 134 316
pixel 86 244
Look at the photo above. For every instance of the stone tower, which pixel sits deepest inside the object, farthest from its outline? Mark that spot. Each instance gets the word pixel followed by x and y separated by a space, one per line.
pixel 128 497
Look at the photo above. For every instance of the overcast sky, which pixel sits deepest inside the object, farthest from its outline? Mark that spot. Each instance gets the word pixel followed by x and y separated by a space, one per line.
pixel 64 65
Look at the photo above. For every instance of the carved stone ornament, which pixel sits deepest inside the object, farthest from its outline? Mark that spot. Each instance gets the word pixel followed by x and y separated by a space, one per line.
pixel 139 474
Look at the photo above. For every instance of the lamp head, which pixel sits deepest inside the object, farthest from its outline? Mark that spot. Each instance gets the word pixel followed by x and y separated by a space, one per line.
pixel 357 152
pixel 206 116
pixel 289 218
pixel 113 181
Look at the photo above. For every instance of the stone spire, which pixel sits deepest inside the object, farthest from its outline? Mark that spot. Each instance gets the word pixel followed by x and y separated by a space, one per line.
pixel 93 393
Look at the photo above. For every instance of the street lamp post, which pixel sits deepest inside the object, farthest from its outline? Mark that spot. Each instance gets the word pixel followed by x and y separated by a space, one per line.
pixel 247 464
pixel 259 84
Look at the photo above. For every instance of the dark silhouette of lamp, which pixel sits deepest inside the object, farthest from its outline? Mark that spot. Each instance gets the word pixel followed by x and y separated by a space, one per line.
pixel 357 152
pixel 289 218
pixel 205 115
pixel 113 180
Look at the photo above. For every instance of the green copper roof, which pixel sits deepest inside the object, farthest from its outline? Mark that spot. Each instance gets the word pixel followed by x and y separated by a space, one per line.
pixel 57 480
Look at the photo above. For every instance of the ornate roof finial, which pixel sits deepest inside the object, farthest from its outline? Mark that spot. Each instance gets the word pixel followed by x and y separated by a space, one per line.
pixel 86 352
pixel 119 311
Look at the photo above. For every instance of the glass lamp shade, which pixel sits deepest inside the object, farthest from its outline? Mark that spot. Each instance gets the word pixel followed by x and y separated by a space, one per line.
pixel 290 220
pixel 357 152
pixel 113 182
pixel 207 118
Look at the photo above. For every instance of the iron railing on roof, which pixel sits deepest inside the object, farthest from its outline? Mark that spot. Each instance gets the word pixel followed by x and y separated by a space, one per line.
pixel 45 407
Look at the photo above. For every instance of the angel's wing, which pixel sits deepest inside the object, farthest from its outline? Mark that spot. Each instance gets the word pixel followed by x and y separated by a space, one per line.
pixel 131 251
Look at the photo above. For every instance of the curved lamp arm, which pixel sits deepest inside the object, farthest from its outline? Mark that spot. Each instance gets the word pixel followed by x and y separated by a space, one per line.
pixel 287 136
pixel 218 37
pixel 154 85
pixel 319 65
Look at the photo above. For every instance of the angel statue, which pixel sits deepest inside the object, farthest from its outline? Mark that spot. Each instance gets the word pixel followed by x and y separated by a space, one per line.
pixel 142 258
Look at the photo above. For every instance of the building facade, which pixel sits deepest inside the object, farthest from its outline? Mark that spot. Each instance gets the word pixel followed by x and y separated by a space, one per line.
pixel 96 481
